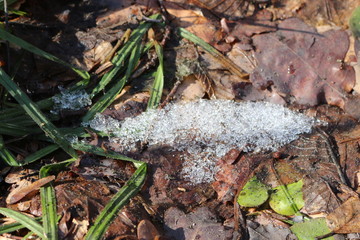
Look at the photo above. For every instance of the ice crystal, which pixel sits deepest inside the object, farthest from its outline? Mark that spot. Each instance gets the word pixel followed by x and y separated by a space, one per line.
pixel 207 130
pixel 71 100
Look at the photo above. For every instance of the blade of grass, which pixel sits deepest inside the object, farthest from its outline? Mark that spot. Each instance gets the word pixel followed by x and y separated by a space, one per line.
pixel 120 199
pixel 6 155
pixel 101 152
pixel 40 154
pixel 34 112
pixel 31 48
pixel 226 62
pixel 121 56
pixel 27 236
pixel 6 228
pixel 158 85
pixel 48 200
pixel 16 130
pixel 110 96
pixel 28 222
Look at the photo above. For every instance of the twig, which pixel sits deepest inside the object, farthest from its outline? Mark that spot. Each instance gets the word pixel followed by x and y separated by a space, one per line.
pixel 170 95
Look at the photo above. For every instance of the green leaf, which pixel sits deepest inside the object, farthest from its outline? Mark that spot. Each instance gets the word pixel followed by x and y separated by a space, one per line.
pixel 354 22
pixel 287 199
pixel 158 85
pixel 28 222
pixel 253 194
pixel 31 48
pixel 34 112
pixel 120 199
pixel 311 229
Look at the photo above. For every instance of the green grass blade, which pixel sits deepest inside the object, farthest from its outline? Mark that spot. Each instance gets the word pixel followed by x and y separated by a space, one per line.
pixel 31 48
pixel 227 63
pixel 120 199
pixel 6 155
pixel 48 200
pixel 34 112
pixel 16 130
pixel 158 85
pixel 122 55
pixel 27 236
pixel 101 152
pixel 6 228
pixel 40 154
pixel 110 96
pixel 28 222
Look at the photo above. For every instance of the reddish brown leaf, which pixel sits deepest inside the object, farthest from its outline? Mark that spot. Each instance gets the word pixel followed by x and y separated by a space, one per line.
pixel 298 62
pixel 146 230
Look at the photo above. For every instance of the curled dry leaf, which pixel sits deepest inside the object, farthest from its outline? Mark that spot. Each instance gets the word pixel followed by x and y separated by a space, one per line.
pixel 302 65
pixel 19 193
pixel 146 230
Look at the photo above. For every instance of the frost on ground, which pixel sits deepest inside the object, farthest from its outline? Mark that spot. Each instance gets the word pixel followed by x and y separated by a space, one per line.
pixel 207 130
pixel 71 100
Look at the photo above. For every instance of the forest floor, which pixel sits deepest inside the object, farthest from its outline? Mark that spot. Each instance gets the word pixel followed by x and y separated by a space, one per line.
pixel 223 120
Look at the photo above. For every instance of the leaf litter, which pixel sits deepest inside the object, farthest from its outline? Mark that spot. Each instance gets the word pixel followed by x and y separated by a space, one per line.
pixel 227 173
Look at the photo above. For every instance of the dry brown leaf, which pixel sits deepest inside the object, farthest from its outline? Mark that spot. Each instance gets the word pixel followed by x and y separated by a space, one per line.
pixel 126 11
pixel 97 54
pixel 346 218
pixel 194 21
pixel 200 224
pixel 146 230
pixel 302 65
pixel 190 89
pixel 79 229
pixel 22 191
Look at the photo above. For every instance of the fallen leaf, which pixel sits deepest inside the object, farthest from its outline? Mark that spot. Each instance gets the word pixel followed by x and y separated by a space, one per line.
pixel 267 230
pixel 232 177
pixel 258 23
pixel 346 218
pixel 285 196
pixel 190 89
pixel 319 197
pixel 253 194
pixel 311 229
pixel 21 192
pixel 200 224
pixel 146 230
pixel 302 65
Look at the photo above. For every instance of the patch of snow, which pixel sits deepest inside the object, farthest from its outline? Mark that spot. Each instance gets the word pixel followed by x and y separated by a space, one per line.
pixel 208 129
pixel 71 100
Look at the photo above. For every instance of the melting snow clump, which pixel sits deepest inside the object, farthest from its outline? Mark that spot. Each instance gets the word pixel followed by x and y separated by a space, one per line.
pixel 71 100
pixel 208 129
pixel 103 123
